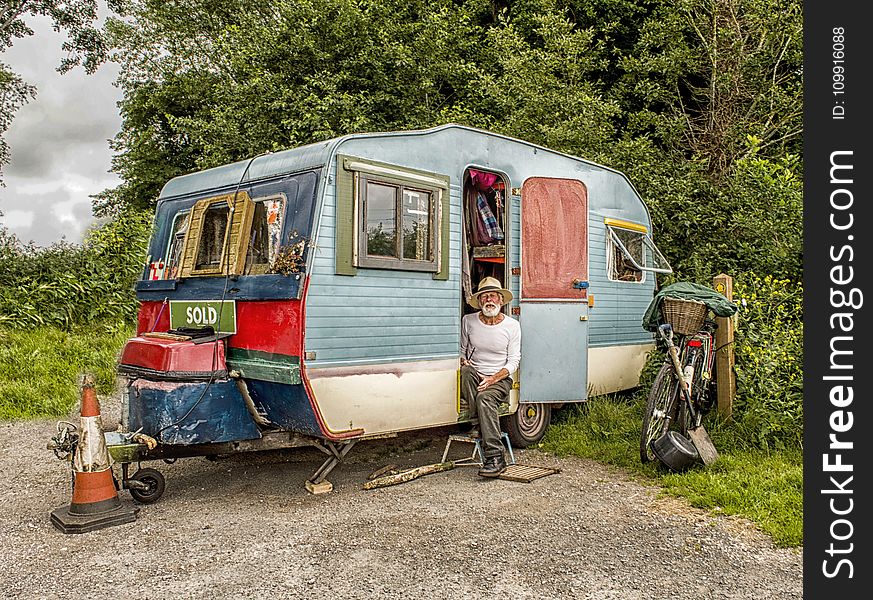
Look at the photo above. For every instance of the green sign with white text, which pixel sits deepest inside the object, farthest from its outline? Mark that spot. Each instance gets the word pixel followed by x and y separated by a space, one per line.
pixel 220 315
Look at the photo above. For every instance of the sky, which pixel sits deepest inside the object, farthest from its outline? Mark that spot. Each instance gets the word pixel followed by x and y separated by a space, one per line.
pixel 59 142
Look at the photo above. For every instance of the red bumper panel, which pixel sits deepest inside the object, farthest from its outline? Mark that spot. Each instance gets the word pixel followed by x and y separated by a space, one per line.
pixel 171 359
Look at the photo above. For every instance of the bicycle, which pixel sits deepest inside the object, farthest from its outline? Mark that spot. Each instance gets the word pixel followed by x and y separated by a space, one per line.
pixel 680 395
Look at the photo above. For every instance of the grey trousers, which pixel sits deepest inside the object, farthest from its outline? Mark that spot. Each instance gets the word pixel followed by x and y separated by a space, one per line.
pixel 484 405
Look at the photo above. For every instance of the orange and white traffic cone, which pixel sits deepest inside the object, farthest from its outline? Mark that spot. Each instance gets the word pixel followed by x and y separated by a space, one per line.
pixel 95 501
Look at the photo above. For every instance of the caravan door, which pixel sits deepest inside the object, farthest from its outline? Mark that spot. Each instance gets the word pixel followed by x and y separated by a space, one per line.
pixel 554 304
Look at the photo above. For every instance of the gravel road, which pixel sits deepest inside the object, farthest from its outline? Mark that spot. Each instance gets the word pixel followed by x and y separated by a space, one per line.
pixel 244 527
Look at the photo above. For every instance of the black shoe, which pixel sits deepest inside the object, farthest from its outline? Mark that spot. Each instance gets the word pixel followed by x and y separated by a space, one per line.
pixel 493 466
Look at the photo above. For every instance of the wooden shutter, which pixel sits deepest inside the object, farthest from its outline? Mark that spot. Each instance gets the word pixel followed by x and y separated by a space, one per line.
pixel 239 230
pixel 345 219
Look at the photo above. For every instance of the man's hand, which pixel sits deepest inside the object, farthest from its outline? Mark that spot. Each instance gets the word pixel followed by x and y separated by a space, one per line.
pixel 486 381
pixel 492 379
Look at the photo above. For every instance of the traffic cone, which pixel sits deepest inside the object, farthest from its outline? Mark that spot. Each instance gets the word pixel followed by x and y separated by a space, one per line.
pixel 95 502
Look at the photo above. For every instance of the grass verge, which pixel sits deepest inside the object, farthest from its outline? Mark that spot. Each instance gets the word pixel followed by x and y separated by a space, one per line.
pixel 765 487
pixel 40 369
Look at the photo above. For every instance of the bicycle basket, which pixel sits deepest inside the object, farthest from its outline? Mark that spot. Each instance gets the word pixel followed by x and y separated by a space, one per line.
pixel 686 317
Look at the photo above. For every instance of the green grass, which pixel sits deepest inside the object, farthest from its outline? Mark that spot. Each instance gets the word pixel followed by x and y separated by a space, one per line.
pixel 41 368
pixel 765 487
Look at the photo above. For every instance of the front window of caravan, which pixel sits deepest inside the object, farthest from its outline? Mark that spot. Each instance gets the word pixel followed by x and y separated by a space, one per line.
pixel 631 252
pixel 176 244
pixel 263 247
pixel 213 235
pixel 212 239
pixel 217 236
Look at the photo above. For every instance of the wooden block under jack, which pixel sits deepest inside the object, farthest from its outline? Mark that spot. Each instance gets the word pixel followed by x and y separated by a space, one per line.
pixel 322 487
pixel 705 448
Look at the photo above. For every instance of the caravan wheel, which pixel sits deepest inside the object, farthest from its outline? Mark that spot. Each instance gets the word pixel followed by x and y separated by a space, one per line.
pixel 150 485
pixel 528 424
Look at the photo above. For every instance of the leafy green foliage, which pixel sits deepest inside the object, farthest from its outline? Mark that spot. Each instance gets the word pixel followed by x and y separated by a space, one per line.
pixel 752 221
pixel 769 362
pixel 66 284
pixel 207 86
pixel 703 76
pixel 85 45
pixel 66 310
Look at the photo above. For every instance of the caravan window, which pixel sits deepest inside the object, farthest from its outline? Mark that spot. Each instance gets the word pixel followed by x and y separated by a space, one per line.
pixel 390 217
pixel 175 244
pixel 631 252
pixel 397 224
pixel 212 237
pixel 263 247
pixel 217 236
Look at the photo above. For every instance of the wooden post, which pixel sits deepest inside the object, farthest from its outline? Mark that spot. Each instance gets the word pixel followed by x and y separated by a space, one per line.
pixel 724 358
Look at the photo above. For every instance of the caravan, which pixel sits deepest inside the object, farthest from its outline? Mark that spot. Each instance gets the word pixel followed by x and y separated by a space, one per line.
pixel 315 295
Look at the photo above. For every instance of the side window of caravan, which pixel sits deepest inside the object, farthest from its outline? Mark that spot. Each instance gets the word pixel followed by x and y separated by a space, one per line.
pixel 630 252
pixel 263 246
pixel 390 217
pixel 397 225
pixel 624 252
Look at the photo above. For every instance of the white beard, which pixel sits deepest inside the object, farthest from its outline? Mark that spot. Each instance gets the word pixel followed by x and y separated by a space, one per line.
pixel 490 310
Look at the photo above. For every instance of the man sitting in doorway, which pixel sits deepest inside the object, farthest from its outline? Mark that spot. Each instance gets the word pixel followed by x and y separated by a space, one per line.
pixel 490 352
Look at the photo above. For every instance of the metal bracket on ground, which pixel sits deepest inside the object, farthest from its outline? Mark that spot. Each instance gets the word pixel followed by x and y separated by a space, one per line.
pixel 317 484
pixel 476 458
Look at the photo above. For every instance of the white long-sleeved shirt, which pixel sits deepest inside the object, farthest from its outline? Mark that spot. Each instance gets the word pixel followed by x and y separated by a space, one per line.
pixel 490 348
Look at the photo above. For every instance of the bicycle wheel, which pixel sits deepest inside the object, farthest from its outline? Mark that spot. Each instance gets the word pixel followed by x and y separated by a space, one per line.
pixel 660 405
pixel 684 421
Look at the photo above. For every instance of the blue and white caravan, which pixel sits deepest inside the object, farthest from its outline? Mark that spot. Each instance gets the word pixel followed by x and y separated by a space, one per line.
pixel 347 272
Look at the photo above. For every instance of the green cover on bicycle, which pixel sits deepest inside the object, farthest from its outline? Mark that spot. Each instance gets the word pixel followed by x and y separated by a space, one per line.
pixel 717 303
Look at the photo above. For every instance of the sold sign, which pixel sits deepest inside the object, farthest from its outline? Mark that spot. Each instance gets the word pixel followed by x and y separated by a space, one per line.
pixel 220 315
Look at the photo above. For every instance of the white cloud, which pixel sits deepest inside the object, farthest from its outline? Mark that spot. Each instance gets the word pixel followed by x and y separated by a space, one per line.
pixel 59 142
pixel 65 213
pixel 22 219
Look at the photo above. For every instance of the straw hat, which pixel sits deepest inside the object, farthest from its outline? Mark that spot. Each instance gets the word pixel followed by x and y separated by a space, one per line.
pixel 489 284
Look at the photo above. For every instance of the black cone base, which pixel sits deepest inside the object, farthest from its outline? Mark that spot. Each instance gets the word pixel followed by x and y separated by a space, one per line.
pixel 73 522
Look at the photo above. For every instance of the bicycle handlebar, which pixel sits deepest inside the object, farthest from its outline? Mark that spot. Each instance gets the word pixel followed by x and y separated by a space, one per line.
pixel 665 330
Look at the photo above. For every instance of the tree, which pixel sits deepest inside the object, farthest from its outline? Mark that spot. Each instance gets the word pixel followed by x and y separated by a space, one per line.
pixel 222 81
pixel 696 100
pixel 85 46
pixel 14 93
pixel 719 79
